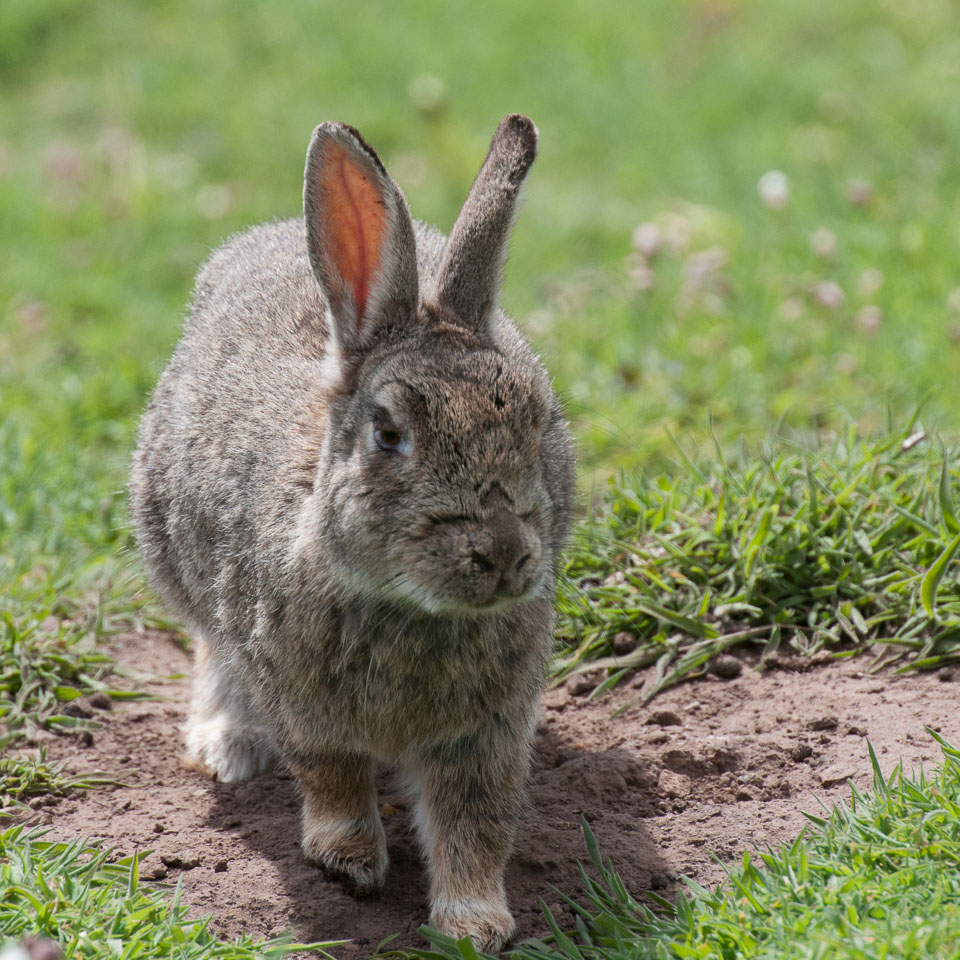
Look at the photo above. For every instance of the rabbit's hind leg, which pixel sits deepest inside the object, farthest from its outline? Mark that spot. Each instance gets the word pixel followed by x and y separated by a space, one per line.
pixel 225 737
pixel 341 825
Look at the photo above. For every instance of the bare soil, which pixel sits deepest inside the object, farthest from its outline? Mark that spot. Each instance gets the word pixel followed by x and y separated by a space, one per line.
pixel 712 767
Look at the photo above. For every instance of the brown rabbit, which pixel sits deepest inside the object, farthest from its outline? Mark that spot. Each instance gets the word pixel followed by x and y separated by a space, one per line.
pixel 352 483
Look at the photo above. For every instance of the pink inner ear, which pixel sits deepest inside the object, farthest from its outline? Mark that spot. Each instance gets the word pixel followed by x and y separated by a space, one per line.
pixel 355 212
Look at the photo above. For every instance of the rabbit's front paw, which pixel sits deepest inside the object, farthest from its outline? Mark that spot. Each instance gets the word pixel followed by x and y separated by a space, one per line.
pixel 353 849
pixel 227 752
pixel 487 922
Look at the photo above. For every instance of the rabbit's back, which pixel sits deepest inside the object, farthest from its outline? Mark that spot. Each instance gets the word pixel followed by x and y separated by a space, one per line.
pixel 213 474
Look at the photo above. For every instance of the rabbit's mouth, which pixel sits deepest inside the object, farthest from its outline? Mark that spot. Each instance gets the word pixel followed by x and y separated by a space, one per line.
pixel 466 597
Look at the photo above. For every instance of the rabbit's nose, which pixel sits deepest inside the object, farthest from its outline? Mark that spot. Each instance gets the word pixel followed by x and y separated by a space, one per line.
pixel 505 551
pixel 507 565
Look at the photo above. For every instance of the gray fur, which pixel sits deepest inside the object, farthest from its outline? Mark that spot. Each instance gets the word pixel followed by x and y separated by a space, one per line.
pixel 372 606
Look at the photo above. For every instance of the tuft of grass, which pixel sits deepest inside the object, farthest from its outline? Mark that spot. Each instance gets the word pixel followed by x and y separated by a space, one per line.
pixel 47 662
pixel 73 894
pixel 25 777
pixel 877 878
pixel 848 549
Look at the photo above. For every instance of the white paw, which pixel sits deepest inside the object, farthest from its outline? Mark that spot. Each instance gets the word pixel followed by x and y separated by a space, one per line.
pixel 226 752
pixel 353 849
pixel 487 922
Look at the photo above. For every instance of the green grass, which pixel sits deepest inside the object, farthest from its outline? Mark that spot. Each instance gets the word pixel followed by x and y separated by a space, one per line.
pixel 873 880
pixel 850 548
pixel 95 906
pixel 24 778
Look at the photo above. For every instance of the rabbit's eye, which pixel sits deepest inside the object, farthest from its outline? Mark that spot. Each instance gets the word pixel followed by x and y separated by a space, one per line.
pixel 391 440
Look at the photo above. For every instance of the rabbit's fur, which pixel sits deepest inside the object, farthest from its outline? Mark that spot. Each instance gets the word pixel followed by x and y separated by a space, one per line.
pixel 352 483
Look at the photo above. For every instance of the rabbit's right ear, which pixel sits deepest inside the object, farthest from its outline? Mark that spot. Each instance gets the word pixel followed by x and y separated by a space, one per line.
pixel 359 237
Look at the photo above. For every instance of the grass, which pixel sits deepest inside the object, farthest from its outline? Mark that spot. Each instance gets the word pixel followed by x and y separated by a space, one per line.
pixel 850 549
pixel 94 905
pixel 24 778
pixel 873 880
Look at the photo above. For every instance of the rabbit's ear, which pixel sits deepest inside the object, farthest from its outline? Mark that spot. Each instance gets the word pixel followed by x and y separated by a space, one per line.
pixel 359 236
pixel 471 272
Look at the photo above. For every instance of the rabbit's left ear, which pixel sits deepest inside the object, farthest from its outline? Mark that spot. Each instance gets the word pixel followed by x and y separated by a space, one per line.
pixel 359 236
pixel 471 272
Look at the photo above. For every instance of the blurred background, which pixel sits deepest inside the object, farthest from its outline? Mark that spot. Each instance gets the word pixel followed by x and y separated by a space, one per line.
pixel 744 213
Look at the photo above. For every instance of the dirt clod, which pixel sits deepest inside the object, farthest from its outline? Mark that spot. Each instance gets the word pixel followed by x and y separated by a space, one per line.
pixel 836 776
pixel 220 866
pixel 801 752
pixel 181 861
pixel 100 701
pixel 623 643
pixel 675 785
pixel 726 667
pixel 826 722
pixel 664 718
pixel 77 708
pixel 583 684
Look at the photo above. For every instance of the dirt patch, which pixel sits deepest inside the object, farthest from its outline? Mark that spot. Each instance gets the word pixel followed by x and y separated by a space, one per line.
pixel 712 767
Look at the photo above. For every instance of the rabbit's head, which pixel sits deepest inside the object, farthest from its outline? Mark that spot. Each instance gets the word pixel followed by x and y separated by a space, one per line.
pixel 444 477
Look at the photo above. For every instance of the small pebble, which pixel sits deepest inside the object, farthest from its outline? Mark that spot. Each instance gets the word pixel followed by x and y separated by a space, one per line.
pixel 77 709
pixel 835 776
pixel 664 718
pixel 581 685
pixel 726 667
pixel 180 861
pixel 674 785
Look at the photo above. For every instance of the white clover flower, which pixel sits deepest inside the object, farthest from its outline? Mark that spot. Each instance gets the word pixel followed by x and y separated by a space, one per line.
pixel 829 294
pixel 870 319
pixel 869 282
pixel 823 243
pixel 647 239
pixel 774 189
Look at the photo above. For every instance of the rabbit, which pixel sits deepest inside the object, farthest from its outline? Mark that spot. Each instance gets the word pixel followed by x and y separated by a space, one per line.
pixel 351 485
